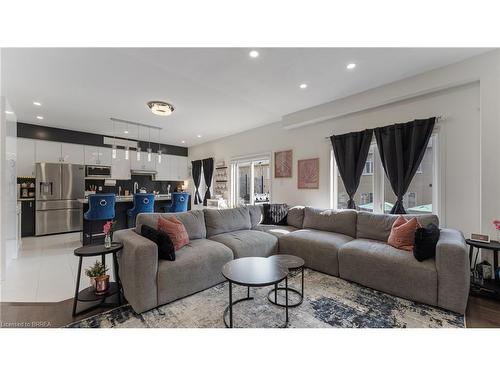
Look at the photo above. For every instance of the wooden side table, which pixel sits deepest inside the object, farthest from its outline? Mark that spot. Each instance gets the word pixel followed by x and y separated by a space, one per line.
pixel 490 288
pixel 87 294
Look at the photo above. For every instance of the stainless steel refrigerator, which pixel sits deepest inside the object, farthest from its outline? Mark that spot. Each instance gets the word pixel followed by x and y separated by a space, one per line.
pixel 58 186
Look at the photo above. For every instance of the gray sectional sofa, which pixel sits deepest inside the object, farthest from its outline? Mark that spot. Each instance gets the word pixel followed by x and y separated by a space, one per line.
pixel 347 244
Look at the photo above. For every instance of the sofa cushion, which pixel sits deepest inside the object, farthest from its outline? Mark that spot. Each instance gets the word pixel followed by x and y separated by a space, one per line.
pixel 383 267
pixel 317 248
pixel 256 215
pixel 197 266
pixel 295 216
pixel 378 226
pixel 343 221
pixel 194 222
pixel 276 230
pixel 229 220
pixel 248 243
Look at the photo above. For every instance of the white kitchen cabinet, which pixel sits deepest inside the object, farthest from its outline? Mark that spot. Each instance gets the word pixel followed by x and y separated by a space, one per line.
pixel 164 168
pixel 172 168
pixel 72 153
pixel 97 155
pixel 182 168
pixel 25 157
pixel 47 151
pixel 143 164
pixel 120 167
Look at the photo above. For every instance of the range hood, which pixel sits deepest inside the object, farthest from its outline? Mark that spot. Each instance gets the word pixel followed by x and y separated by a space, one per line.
pixel 143 172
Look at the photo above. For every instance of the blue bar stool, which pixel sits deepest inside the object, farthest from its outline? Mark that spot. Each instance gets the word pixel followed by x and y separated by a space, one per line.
pixel 179 202
pixel 101 207
pixel 143 202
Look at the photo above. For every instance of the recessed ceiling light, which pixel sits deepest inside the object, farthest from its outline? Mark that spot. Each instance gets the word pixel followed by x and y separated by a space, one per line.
pixel 9 112
pixel 160 108
pixel 351 66
pixel 38 104
pixel 183 141
pixel 254 54
pixel 39 117
pixel 199 135
pixel 126 131
pixel 303 85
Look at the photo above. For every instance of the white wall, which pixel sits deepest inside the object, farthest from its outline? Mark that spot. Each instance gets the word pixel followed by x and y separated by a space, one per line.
pixel 466 94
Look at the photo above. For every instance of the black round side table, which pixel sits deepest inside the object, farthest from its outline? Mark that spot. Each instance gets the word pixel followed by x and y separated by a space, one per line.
pixel 87 294
pixel 293 263
pixel 488 288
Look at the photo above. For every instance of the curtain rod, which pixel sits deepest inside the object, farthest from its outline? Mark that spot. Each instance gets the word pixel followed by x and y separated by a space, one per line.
pixel 438 119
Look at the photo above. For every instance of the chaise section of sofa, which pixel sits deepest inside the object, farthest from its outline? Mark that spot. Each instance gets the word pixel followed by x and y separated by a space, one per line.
pixel 149 281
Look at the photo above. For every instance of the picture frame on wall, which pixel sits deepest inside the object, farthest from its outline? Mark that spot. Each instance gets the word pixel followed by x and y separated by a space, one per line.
pixel 283 163
pixel 308 174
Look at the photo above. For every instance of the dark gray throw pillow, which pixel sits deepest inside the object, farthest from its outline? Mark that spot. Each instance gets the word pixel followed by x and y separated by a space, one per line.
pixel 166 249
pixel 426 239
pixel 275 214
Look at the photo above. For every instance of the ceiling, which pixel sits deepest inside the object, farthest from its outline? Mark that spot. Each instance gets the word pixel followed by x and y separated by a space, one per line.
pixel 216 91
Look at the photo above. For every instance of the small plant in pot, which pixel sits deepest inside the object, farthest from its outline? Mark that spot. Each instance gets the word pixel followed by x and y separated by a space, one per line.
pixel 99 281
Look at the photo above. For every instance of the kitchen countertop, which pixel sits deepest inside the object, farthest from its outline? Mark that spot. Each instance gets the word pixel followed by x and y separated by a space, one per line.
pixel 130 198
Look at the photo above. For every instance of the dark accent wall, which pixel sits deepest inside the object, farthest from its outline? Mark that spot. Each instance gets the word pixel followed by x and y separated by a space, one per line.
pixel 47 133
pixel 143 181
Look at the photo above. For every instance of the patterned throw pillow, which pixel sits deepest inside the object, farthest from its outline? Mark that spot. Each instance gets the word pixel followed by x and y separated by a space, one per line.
pixel 175 230
pixel 275 214
pixel 403 233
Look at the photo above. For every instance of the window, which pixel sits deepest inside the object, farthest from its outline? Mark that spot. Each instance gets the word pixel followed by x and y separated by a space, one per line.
pixel 250 182
pixel 375 193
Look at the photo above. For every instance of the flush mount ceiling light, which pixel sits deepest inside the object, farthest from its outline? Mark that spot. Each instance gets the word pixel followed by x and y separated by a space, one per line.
pixel 351 66
pixel 303 85
pixel 254 54
pixel 161 108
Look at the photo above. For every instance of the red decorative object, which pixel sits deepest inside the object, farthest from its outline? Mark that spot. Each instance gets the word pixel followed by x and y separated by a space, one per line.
pixel 308 174
pixel 283 164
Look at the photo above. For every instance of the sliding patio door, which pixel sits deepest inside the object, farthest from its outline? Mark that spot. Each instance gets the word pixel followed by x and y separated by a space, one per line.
pixel 250 181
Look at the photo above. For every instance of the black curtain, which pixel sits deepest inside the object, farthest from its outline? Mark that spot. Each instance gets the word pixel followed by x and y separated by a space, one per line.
pixel 196 164
pixel 208 171
pixel 351 151
pixel 401 148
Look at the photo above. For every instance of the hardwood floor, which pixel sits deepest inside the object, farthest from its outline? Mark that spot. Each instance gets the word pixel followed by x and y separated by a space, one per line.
pixel 481 313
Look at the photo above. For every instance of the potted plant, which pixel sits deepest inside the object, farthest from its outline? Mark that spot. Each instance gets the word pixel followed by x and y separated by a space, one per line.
pixel 108 233
pixel 99 281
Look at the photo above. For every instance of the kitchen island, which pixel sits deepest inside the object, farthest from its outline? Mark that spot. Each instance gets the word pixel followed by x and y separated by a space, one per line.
pixel 123 203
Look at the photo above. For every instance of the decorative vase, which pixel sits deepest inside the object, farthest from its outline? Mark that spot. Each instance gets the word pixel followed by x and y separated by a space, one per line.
pixel 107 241
pixel 101 285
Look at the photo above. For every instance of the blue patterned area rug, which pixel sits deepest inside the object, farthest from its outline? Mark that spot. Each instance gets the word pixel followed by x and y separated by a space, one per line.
pixel 328 302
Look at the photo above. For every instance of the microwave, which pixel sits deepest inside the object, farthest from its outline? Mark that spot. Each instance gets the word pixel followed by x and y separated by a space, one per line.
pixel 97 172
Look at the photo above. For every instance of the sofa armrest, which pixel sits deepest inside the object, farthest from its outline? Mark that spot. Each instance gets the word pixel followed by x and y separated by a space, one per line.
pixel 138 266
pixel 452 264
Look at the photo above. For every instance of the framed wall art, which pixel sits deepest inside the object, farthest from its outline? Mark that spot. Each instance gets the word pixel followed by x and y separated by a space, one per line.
pixel 283 164
pixel 308 174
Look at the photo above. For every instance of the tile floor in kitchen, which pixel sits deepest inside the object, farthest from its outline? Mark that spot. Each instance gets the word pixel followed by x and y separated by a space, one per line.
pixel 45 270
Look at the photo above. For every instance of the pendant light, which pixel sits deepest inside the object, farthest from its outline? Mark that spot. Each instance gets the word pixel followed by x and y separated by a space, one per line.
pixel 149 145
pixel 113 151
pixel 127 151
pixel 159 149
pixel 138 152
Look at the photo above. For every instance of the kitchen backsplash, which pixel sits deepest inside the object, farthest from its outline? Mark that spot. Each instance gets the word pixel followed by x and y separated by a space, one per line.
pixel 143 182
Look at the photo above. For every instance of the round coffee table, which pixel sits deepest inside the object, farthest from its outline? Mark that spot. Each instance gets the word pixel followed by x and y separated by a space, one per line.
pixel 252 272
pixel 292 263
